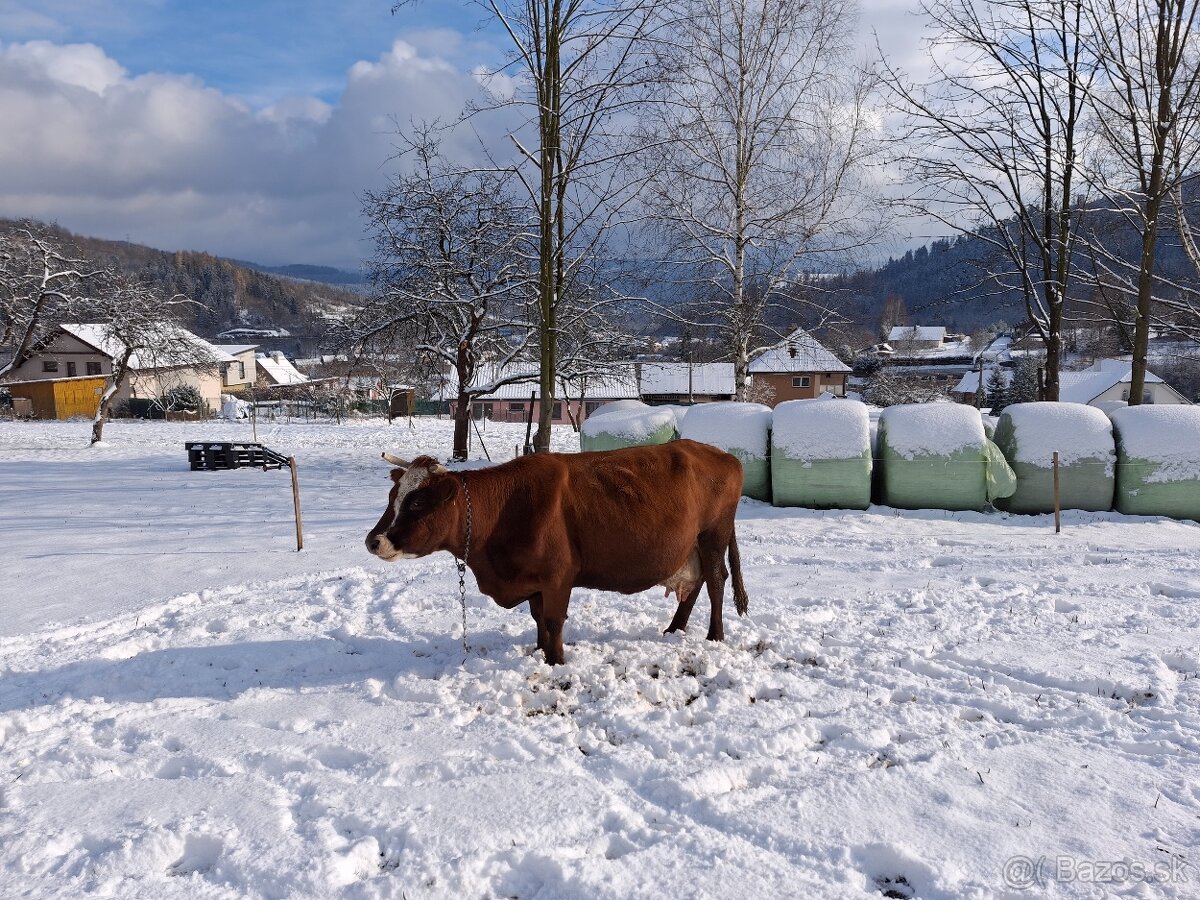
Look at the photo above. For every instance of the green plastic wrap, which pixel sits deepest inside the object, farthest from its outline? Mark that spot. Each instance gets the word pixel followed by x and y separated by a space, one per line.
pixel 1087 467
pixel 821 483
pixel 1001 479
pixel 944 466
pixel 756 475
pixel 1159 475
pixel 821 454
pixel 628 428
pixel 741 429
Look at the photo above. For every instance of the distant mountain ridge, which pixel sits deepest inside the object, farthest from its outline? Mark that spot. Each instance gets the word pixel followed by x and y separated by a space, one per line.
pixel 229 293
pixel 306 272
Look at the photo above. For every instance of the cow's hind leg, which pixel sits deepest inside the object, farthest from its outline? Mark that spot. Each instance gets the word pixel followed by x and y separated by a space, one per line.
pixel 712 561
pixel 683 611
pixel 535 610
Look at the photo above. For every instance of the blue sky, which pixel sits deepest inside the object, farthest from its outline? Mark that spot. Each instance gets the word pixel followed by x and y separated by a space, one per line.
pixel 245 129
pixel 261 50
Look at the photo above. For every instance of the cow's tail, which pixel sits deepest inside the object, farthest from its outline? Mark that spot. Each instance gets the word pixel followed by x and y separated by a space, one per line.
pixel 741 599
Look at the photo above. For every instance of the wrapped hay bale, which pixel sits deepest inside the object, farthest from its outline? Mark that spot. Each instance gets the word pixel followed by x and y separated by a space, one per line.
pixel 936 456
pixel 743 429
pixel 1158 461
pixel 617 406
pixel 635 426
pixel 821 454
pixel 1029 433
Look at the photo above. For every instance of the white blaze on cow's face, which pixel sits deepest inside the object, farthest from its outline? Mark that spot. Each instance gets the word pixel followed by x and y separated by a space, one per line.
pixel 405 481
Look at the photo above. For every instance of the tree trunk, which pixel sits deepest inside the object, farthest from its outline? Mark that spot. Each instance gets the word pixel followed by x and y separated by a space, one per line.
pixel 462 427
pixel 549 121
pixel 120 370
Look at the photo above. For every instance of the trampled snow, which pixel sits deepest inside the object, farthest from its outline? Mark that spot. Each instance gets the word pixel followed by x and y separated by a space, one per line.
pixel 190 708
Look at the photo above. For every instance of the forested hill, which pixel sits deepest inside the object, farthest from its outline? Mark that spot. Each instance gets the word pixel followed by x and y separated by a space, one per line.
pixel 946 282
pixel 228 294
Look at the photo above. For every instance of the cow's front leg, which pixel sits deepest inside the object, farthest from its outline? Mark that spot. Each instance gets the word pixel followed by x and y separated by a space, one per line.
pixel 554 615
pixel 535 610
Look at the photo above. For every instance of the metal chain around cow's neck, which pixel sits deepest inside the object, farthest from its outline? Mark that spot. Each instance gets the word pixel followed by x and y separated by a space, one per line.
pixel 462 569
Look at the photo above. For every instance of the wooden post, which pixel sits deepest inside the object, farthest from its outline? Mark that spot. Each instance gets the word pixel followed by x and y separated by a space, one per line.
pixel 1057 503
pixel 254 419
pixel 296 504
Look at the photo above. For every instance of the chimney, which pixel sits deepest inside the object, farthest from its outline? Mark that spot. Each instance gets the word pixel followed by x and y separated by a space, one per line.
pixel 792 350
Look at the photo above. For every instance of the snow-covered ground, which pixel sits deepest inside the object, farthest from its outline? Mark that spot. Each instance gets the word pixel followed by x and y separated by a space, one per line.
pixel 190 708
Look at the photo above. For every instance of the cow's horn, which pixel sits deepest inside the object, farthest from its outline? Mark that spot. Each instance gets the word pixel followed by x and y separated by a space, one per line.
pixel 438 469
pixel 395 460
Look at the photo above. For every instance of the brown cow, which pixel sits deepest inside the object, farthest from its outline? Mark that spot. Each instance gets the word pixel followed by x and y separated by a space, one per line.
pixel 621 520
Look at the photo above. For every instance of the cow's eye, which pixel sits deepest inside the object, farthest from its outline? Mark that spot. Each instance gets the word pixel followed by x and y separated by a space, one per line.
pixel 416 503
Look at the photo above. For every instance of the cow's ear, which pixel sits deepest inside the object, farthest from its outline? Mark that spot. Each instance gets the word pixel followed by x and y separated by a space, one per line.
pixel 397 474
pixel 442 491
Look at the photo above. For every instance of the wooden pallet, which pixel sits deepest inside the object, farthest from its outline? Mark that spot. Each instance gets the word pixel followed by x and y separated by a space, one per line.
pixel 215 456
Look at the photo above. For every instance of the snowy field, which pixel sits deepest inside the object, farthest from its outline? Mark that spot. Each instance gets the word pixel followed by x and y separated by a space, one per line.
pixel 919 704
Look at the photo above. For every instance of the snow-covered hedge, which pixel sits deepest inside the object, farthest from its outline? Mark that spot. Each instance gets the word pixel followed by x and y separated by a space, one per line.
pixel 743 429
pixel 821 454
pixel 936 456
pixel 631 426
pixel 1029 433
pixel 1158 461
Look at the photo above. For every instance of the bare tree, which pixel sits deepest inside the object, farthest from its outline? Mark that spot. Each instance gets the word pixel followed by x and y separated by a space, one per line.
pixel 40 286
pixel 992 142
pixel 451 278
pixel 761 131
pixel 1148 116
pixel 576 67
pixel 140 332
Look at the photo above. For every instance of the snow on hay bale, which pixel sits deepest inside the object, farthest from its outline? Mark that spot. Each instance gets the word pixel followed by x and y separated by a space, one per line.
pixel 743 429
pixel 616 406
pixel 821 454
pixel 1158 461
pixel 1029 433
pixel 936 456
pixel 633 426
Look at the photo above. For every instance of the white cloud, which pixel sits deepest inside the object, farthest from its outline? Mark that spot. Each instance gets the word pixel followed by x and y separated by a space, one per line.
pixel 168 161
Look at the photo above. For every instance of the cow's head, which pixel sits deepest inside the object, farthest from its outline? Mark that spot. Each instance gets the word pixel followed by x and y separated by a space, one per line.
pixel 420 517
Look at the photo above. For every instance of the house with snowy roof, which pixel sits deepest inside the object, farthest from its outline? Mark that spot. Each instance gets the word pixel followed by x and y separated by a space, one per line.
pixel 85 353
pixel 238 375
pixel 799 368
pixel 273 369
pixel 575 400
pixel 1109 381
pixel 683 382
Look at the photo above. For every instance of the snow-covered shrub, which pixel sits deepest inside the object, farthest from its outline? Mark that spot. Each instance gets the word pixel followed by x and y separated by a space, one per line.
pixel 821 454
pixel 1158 461
pixel 743 429
pixel 1029 433
pixel 936 456
pixel 632 426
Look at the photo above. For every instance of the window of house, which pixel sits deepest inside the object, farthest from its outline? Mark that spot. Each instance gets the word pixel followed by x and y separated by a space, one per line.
pixel 49 365
pixel 591 406
pixel 241 371
pixel 557 414
pixel 517 407
pixel 71 369
pixel 801 381
pixel 93 368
